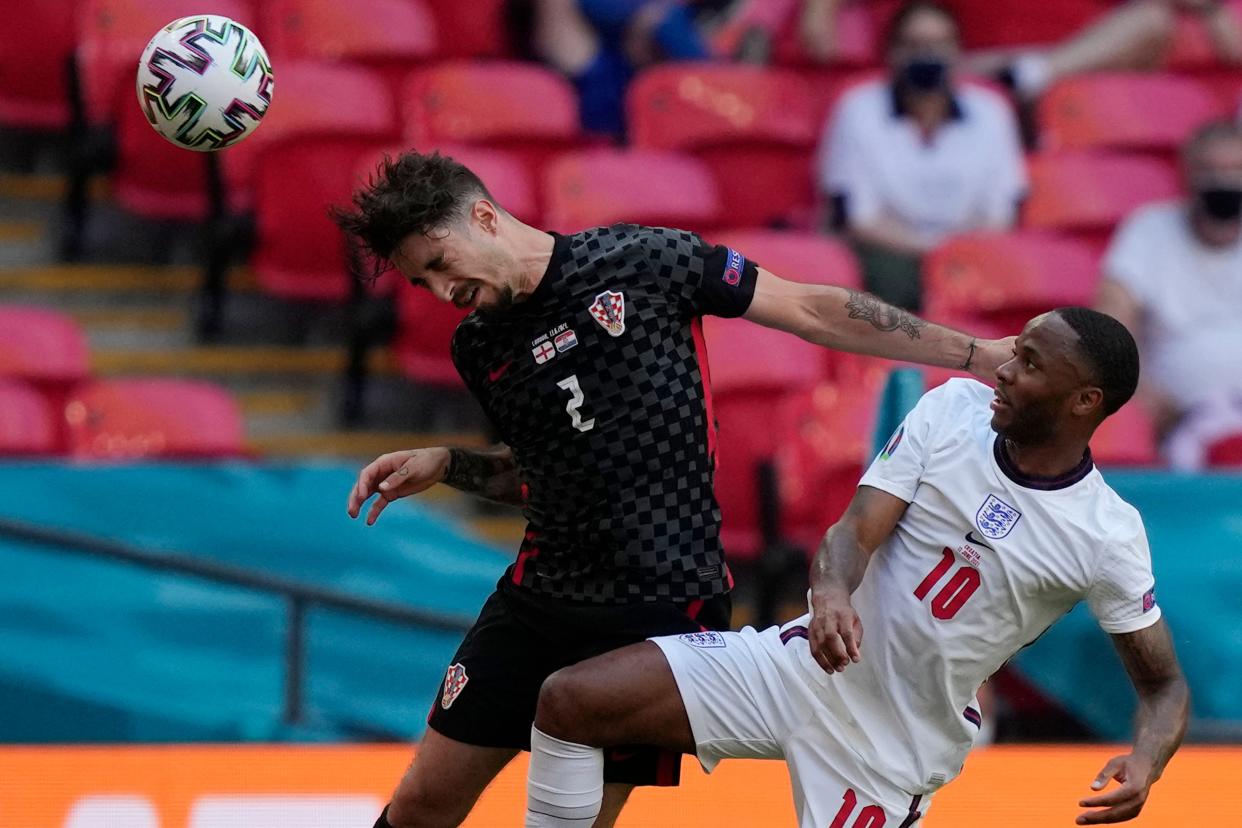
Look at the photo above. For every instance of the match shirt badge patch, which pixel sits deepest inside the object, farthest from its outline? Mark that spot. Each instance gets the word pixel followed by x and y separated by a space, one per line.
pixel 563 337
pixel 996 518
pixel 734 264
pixel 1149 600
pixel 609 311
pixel 702 640
pixel 454 682
pixel 542 350
pixel 893 443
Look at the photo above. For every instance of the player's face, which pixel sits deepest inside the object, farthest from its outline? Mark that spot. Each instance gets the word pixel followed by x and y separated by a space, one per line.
pixel 464 264
pixel 1038 389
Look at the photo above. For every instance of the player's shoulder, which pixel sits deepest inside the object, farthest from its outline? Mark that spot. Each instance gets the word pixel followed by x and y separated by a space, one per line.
pixel 957 394
pixel 1119 522
pixel 640 239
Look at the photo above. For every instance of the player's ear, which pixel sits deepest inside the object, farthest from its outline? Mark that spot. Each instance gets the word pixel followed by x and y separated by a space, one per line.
pixel 1089 402
pixel 485 215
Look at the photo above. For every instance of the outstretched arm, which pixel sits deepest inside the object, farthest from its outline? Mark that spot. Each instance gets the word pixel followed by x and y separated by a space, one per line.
pixel 489 473
pixel 850 320
pixel 1164 706
pixel 838 569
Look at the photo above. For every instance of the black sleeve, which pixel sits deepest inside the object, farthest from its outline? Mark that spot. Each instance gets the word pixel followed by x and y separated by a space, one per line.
pixel 705 279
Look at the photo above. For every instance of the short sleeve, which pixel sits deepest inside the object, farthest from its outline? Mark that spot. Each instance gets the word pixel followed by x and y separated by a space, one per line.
pixel 899 467
pixel 1127 260
pixel 1122 597
pixel 846 172
pixel 705 279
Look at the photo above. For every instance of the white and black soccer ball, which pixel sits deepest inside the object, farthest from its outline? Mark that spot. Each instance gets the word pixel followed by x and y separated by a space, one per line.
pixel 204 82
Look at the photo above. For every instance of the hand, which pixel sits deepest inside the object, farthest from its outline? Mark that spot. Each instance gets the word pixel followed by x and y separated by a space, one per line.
pixel 1134 772
pixel 396 475
pixel 836 630
pixel 817 34
pixel 991 354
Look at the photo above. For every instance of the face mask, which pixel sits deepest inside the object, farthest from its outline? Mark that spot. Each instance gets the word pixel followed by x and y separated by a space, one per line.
pixel 924 74
pixel 1223 203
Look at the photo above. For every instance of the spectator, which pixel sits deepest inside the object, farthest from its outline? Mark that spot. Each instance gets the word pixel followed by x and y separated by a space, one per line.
pixel 1173 276
pixel 1032 45
pixel 600 44
pixel 911 159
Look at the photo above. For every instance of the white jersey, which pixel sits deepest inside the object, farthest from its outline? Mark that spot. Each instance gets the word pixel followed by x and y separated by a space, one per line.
pixel 981 563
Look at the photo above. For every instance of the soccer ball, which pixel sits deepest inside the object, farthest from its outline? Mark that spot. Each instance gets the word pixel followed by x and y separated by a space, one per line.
pixel 204 82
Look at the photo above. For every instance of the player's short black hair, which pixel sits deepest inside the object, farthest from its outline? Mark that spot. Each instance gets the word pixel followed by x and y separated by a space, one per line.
pixel 908 10
pixel 1110 351
pixel 412 193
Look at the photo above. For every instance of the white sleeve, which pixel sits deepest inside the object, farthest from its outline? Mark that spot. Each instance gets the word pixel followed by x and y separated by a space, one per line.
pixel 1010 183
pixel 1123 595
pixel 899 466
pixel 844 167
pixel 1127 260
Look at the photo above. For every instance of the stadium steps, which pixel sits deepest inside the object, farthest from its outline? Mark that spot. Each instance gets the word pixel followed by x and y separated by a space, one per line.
pixel 233 360
pixel 90 280
pixel 48 187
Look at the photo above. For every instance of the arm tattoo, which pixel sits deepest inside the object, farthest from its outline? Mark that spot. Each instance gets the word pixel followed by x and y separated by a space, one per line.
pixel 492 476
pixel 882 316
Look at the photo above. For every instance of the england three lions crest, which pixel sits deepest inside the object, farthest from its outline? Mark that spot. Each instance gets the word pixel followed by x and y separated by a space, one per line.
pixel 609 311
pixel 996 518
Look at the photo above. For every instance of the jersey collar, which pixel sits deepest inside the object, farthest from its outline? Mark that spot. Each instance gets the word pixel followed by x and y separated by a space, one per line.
pixel 1031 481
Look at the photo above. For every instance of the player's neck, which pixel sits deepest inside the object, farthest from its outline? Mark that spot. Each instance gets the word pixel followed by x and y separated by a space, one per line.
pixel 1045 461
pixel 533 249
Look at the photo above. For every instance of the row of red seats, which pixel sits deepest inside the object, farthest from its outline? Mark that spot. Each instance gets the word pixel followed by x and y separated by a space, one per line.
pixel 51 406
pixel 38 40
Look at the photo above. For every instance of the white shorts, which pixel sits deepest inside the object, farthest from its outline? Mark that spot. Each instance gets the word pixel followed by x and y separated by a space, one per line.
pixel 746 699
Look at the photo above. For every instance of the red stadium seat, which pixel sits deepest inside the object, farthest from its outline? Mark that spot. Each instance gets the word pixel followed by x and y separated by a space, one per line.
pixel 751 370
pixel 1226 453
pixel 520 107
pixel 1088 193
pixel 471 30
pixel 1127 438
pixel 1124 111
pixel 299 254
pixel 26 423
pixel 755 127
pixel 387 35
pixel 504 175
pixel 1005 279
pixel 600 187
pixel 425 328
pixel 36 41
pixel 825 442
pixel 156 418
pixel 42 346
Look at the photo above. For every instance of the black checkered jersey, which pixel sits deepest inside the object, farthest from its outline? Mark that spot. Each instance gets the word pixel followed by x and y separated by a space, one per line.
pixel 598 383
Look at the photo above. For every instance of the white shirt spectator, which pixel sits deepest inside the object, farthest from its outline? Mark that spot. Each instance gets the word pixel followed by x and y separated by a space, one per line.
pixel 968 175
pixel 1191 300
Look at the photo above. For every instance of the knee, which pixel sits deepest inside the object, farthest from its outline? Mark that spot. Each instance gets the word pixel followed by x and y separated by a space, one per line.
pixel 561 711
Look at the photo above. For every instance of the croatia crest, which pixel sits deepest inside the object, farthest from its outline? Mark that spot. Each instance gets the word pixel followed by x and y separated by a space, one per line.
pixel 996 518
pixel 454 681
pixel 609 311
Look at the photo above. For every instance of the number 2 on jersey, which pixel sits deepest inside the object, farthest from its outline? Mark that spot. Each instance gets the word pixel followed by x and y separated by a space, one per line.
pixel 570 384
pixel 951 597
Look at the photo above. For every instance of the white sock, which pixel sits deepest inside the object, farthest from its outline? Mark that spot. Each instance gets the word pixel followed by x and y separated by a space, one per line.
pixel 565 783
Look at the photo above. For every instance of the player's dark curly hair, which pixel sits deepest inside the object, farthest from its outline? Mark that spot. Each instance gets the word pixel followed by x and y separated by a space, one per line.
pixel 412 193
pixel 1110 351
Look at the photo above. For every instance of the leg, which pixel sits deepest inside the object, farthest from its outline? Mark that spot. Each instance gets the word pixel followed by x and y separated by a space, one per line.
pixel 626 697
pixel 615 797
pixel 443 782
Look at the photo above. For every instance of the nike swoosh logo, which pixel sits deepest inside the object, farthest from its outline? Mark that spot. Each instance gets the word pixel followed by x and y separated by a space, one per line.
pixel 492 376
pixel 970 538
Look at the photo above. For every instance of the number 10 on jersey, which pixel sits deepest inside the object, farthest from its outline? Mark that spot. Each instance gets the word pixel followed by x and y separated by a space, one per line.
pixel 570 384
pixel 955 593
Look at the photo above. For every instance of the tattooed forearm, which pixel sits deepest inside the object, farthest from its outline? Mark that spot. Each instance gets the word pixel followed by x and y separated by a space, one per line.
pixel 491 475
pixel 882 316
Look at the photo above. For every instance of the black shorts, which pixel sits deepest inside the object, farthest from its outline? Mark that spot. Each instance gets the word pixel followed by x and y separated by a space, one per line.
pixel 492 686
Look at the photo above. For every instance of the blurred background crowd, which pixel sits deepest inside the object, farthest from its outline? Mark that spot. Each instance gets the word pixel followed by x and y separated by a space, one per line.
pixel 189 372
